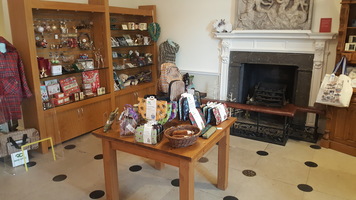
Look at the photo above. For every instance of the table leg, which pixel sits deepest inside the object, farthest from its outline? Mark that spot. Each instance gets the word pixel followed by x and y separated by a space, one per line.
pixel 223 160
pixel 159 165
pixel 110 171
pixel 186 180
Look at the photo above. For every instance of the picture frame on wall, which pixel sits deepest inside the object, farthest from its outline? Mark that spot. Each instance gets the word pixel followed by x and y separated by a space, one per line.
pixel 352 39
pixel 350 46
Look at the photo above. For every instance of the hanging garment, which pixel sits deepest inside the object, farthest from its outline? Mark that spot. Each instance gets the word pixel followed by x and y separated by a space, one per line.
pixel 168 51
pixel 13 85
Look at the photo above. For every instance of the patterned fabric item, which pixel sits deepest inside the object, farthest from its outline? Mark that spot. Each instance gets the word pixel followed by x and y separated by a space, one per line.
pixel 13 85
pixel 193 120
pixel 168 51
pixel 169 73
pixel 161 109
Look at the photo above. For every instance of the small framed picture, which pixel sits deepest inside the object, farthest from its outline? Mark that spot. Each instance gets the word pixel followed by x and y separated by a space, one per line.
pixel 350 46
pixel 124 27
pixel 352 39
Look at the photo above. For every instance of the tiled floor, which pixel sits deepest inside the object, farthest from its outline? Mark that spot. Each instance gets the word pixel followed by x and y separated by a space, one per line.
pixel 278 174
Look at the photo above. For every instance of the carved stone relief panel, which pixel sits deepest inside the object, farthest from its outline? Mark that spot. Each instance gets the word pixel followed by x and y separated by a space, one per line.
pixel 274 14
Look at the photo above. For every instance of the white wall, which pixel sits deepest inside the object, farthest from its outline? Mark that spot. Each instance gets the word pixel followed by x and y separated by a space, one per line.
pixel 188 23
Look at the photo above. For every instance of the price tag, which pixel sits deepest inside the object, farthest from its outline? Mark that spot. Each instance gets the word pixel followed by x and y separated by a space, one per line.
pixel 2 48
pixel 190 99
pixel 147 130
pixel 222 112
pixel 130 128
pixel 197 118
pixel 151 106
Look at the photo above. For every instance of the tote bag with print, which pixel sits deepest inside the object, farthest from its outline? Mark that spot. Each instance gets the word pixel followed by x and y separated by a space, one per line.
pixel 336 90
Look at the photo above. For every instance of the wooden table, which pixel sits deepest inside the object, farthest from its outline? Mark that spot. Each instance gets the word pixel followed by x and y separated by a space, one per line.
pixel 183 158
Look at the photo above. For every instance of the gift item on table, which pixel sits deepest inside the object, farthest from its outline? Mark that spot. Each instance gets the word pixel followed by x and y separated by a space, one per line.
pixel 185 103
pixel 149 133
pixel 152 109
pixel 215 113
pixel 110 120
pixel 128 121
pixel 176 89
pixel 172 109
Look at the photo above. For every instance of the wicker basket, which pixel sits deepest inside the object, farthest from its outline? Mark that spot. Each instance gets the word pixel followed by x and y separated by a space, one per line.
pixel 176 142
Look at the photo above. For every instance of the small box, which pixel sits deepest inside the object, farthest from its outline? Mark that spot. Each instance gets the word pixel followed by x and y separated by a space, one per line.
pixel 56 69
pixel 58 102
pixel 59 95
pixel 66 100
pixel 76 96
pixel 53 89
pixel 81 95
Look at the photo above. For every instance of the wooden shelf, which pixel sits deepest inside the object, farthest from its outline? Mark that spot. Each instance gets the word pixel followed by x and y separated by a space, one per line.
pixel 76 118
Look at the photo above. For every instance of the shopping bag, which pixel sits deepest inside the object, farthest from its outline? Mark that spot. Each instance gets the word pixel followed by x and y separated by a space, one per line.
pixel 336 90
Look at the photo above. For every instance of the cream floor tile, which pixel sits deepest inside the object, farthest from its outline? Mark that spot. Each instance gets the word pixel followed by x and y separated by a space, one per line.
pixel 198 194
pixel 331 159
pixel 315 195
pixel 240 158
pixel 337 183
pixel 293 150
pixel 143 185
pixel 247 144
pixel 282 169
pixel 206 180
pixel 259 187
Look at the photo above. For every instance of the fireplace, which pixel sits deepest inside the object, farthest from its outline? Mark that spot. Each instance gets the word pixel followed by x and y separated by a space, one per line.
pixel 250 69
pixel 303 49
pixel 290 60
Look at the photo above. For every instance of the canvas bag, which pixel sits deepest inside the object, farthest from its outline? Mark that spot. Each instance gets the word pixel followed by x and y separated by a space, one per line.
pixel 169 72
pixel 336 90
pixel 20 138
pixel 176 88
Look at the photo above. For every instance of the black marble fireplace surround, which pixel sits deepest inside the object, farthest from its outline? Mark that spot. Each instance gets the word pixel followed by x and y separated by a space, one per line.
pixel 293 69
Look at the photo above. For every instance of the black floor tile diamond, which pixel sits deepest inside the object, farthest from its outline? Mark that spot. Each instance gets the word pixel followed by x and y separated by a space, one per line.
pixel 315 146
pixel 135 168
pixel 203 160
pixel 31 164
pixel 175 182
pixel 96 194
pixel 305 188
pixel 262 153
pixel 98 157
pixel 230 198
pixel 70 146
pixel 311 164
pixel 59 178
pixel 249 173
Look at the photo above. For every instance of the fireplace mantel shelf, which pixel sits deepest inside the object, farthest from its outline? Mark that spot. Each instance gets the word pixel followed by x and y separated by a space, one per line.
pixel 276 34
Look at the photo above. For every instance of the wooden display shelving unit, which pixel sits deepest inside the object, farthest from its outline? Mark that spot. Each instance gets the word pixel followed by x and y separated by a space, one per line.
pixel 340 131
pixel 77 117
